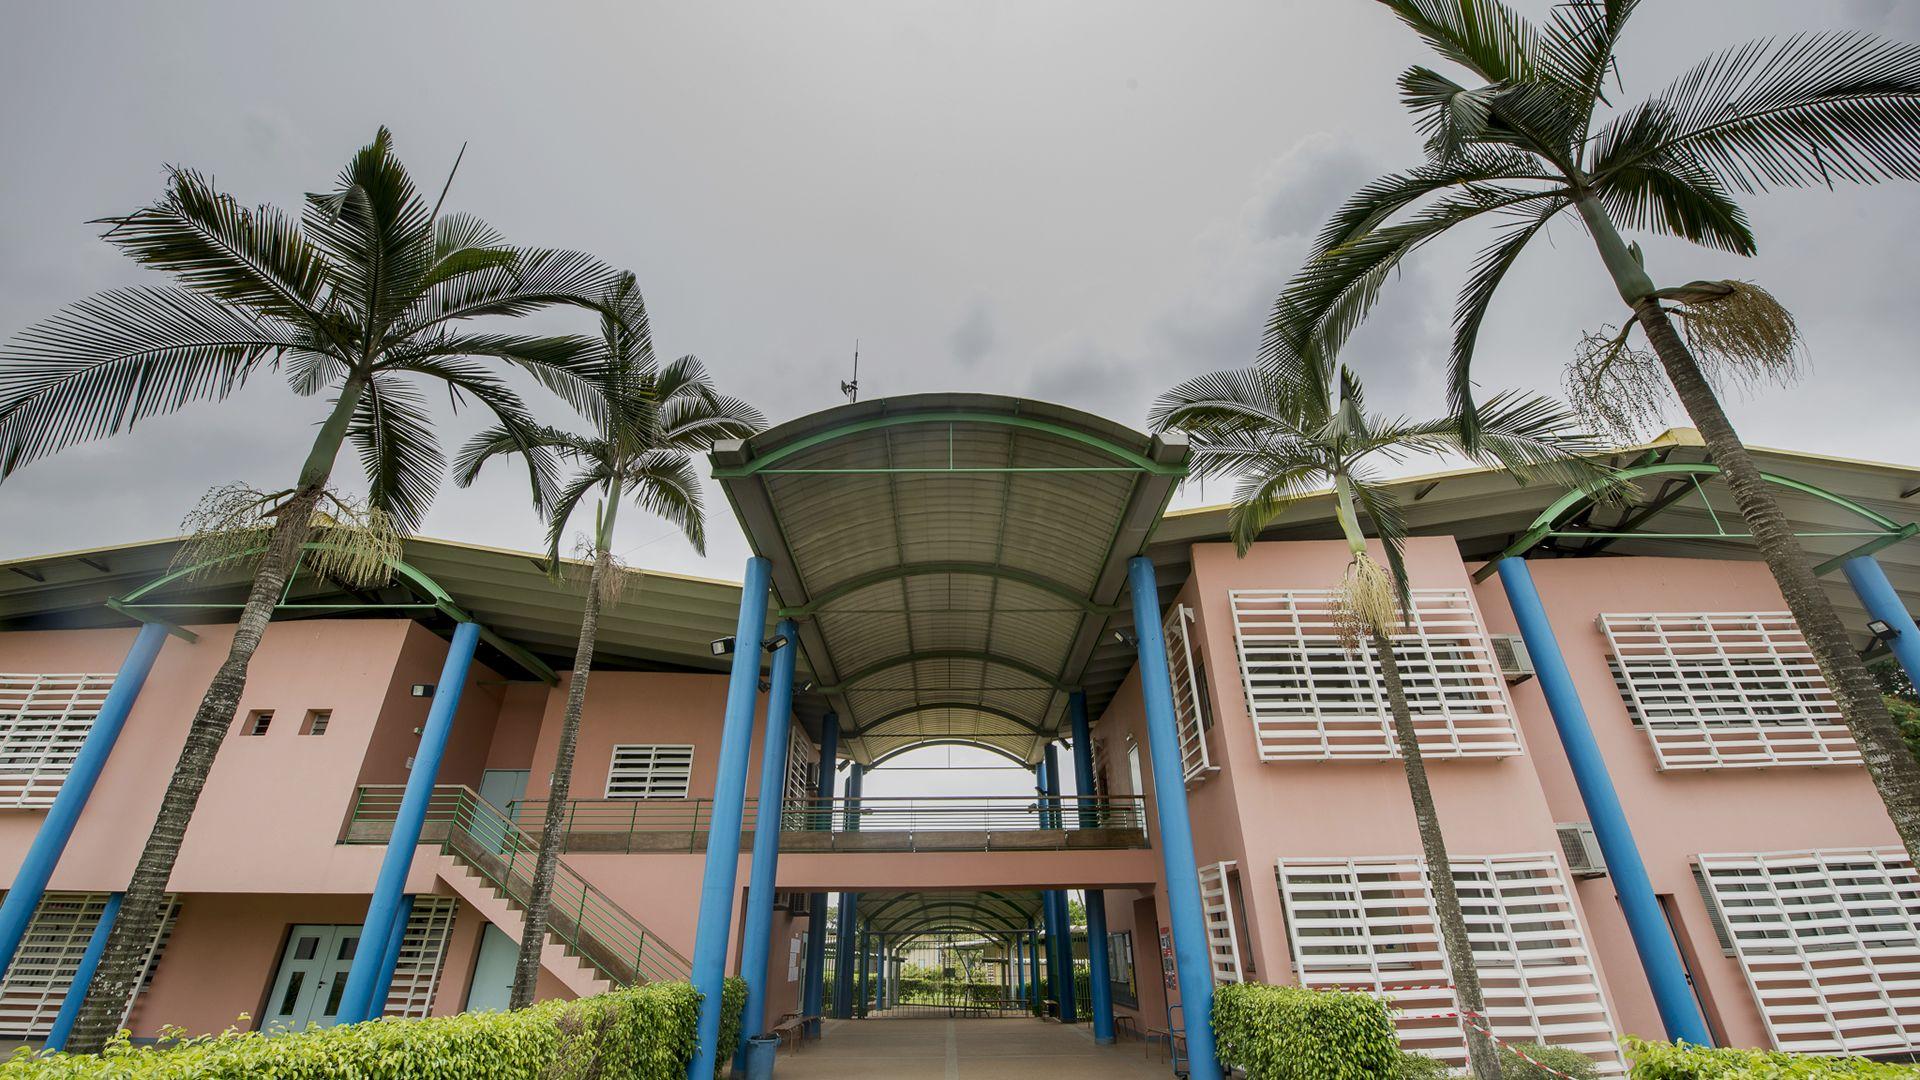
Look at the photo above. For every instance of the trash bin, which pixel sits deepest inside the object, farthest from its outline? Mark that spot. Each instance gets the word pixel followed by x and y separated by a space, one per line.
pixel 762 1050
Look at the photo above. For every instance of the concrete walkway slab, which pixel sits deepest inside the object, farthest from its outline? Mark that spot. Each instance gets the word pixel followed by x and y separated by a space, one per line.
pixel 966 1049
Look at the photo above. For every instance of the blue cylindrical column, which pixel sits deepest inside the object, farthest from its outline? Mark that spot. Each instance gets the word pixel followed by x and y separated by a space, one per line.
pixel 1099 986
pixel 356 1002
pixel 1049 911
pixel 1019 970
pixel 865 992
pixel 723 830
pixel 23 897
pixel 843 958
pixel 1194 967
pixel 83 975
pixel 767 819
pixel 1876 594
pixel 815 992
pixel 880 973
pixel 1063 913
pixel 390 959
pixel 1652 937
pixel 1035 991
pixel 856 779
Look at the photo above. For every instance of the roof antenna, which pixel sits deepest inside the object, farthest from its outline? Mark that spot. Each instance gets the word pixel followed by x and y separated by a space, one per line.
pixel 851 388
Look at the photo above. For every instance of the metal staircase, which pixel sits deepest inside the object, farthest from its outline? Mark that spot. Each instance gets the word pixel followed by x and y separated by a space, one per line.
pixel 490 861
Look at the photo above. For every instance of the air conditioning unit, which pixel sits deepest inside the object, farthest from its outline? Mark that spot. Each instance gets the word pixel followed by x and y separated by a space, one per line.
pixel 1582 850
pixel 1510 651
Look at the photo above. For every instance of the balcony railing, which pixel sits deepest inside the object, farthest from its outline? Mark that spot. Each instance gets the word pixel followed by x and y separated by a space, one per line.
pixel 931 823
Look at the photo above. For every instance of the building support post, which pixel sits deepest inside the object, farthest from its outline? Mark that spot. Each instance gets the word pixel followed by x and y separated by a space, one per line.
pixel 356 1002
pixel 1099 985
pixel 1036 999
pixel 30 884
pixel 722 867
pixel 815 992
pixel 1194 965
pixel 880 973
pixel 83 976
pixel 843 958
pixel 768 817
pixel 1063 913
pixel 390 959
pixel 1652 937
pixel 1049 910
pixel 1876 594
pixel 866 984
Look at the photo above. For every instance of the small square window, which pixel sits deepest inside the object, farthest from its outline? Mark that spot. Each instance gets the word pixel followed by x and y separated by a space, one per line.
pixel 257 722
pixel 316 722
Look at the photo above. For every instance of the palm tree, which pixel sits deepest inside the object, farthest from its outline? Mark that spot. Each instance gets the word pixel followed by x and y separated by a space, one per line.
pixel 1289 426
pixel 648 420
pixel 363 296
pixel 1526 145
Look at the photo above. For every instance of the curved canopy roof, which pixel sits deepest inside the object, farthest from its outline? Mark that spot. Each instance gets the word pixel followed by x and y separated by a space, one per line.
pixel 952 559
pixel 904 914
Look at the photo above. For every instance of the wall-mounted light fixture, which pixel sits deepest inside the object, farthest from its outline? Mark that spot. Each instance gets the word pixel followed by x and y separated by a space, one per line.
pixel 775 643
pixel 423 689
pixel 721 646
pixel 1127 639
pixel 1882 630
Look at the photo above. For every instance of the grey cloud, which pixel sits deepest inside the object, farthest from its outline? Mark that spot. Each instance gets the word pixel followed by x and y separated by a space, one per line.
pixel 974 338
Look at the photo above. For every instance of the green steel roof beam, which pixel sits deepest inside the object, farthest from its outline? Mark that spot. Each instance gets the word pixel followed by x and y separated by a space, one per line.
pixel 933 569
pixel 1026 726
pixel 1132 460
pixel 980 655
pixel 947 740
pixel 1544 524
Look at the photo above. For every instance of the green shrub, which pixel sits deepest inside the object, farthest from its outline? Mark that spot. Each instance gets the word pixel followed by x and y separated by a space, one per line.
pixel 1290 1033
pixel 1557 1058
pixel 1421 1067
pixel 1667 1061
pixel 646 1033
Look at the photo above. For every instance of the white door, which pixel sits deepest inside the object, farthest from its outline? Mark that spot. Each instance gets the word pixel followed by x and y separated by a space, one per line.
pixel 493 972
pixel 503 786
pixel 313 975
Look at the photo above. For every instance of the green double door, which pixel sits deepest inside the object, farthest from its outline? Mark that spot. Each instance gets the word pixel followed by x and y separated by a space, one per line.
pixel 313 975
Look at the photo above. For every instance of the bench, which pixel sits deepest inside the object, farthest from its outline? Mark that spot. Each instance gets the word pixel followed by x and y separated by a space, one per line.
pixel 792 1029
pixel 1123 1028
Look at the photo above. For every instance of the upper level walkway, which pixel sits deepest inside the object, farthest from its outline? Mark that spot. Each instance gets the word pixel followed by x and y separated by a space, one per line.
pixel 945 823
pixel 942 1049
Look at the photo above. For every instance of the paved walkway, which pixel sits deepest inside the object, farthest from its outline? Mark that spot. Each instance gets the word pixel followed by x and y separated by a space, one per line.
pixel 902 1049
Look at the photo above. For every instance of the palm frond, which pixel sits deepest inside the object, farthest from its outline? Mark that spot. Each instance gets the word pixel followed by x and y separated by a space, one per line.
pixel 566 502
pixel 1332 294
pixel 1261 497
pixel 562 363
pixel 696 423
pixel 122 356
pixel 1577 47
pixel 1386 196
pixel 393 435
pixel 533 279
pixel 1383 509
pixel 1674 194
pixel 1486 37
pixel 1476 296
pixel 1804 110
pixel 1220 402
pixel 500 440
pixel 376 231
pixel 252 256
pixel 664 484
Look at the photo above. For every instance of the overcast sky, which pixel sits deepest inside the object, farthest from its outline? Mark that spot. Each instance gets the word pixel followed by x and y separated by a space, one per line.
pixel 1077 202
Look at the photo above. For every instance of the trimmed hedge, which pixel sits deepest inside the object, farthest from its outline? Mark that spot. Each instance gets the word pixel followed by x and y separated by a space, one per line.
pixel 1667 1061
pixel 646 1032
pixel 1290 1033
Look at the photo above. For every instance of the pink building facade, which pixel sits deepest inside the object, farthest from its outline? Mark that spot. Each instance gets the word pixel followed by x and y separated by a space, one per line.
pixel 1782 896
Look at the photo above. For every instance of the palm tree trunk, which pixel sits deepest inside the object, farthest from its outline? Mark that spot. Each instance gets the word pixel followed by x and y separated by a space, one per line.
pixel 1485 1059
pixel 1894 771
pixel 117 979
pixel 144 907
pixel 526 973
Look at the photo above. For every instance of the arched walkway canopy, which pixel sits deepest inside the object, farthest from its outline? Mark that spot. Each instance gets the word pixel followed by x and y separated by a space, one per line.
pixel 903 915
pixel 952 560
